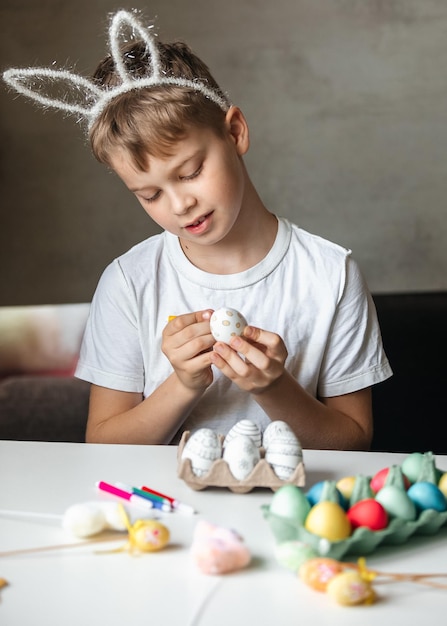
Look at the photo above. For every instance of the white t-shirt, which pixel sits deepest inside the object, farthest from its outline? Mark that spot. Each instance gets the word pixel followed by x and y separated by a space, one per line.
pixel 307 289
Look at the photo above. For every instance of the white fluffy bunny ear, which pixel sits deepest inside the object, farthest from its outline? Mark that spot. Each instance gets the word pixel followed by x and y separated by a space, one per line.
pixel 69 92
pixel 59 89
pixel 125 26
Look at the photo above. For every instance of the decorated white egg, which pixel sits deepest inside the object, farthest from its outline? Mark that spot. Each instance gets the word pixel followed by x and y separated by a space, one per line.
pixel 284 454
pixel 226 323
pixel 247 428
pixel 202 448
pixel 276 429
pixel 241 454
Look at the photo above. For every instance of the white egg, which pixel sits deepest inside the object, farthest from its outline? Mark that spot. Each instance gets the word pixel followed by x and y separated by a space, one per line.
pixel 202 448
pixel 241 454
pixel 247 428
pixel 226 323
pixel 84 520
pixel 284 454
pixel 276 429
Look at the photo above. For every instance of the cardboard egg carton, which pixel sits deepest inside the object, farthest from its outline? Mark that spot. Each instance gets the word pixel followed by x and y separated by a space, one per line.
pixel 219 475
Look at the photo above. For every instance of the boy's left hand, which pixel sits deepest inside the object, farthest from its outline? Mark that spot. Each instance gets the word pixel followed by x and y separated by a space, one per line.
pixel 264 357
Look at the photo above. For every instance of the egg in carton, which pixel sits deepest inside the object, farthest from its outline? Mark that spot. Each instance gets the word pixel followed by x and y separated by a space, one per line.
pixel 243 465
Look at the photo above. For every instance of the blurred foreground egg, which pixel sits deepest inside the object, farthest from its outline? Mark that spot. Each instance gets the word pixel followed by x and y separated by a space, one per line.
pixel 226 323
pixel 149 535
pixel 84 519
pixel 202 448
pixel 241 454
pixel 350 589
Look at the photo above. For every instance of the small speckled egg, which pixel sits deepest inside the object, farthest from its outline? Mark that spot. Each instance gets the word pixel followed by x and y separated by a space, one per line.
pixel 276 429
pixel 283 454
pixel 241 454
pixel 247 428
pixel 149 536
pixel 202 448
pixel 226 323
pixel 350 589
pixel 319 571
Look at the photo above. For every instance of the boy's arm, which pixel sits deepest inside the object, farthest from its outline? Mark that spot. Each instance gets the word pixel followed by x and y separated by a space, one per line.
pixel 341 422
pixel 127 418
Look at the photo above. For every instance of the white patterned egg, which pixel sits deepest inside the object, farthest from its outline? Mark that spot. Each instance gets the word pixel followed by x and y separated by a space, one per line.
pixel 275 429
pixel 284 453
pixel 202 448
pixel 244 427
pixel 242 455
pixel 226 323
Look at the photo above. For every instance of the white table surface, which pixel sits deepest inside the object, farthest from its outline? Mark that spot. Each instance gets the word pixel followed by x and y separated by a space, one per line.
pixel 79 585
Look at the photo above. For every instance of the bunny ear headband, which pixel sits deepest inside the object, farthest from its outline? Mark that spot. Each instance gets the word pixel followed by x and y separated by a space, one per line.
pixel 82 96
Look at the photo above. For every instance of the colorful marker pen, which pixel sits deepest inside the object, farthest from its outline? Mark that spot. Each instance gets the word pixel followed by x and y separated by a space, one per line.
pixel 125 495
pixel 162 504
pixel 179 506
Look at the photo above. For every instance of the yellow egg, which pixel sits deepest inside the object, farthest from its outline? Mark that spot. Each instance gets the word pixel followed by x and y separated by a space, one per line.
pixel 442 485
pixel 349 588
pixel 346 485
pixel 328 520
pixel 148 535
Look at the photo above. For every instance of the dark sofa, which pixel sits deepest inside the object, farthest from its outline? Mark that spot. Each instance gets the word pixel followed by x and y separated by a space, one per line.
pixel 409 408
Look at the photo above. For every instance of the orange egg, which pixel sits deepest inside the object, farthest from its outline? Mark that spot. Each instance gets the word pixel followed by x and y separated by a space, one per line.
pixel 328 520
pixel 319 571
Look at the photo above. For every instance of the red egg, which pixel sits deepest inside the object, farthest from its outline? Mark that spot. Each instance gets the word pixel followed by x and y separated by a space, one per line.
pixel 378 480
pixel 369 513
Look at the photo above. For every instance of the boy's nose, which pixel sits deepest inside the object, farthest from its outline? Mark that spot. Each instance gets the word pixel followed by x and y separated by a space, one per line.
pixel 182 202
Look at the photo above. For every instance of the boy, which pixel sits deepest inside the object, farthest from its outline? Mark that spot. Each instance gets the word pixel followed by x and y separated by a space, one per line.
pixel 313 347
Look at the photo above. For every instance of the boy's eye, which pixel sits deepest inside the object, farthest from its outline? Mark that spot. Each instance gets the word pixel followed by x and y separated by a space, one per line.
pixel 153 198
pixel 193 175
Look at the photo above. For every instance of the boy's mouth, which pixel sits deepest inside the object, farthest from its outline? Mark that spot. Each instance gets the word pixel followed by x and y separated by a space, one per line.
pixel 198 224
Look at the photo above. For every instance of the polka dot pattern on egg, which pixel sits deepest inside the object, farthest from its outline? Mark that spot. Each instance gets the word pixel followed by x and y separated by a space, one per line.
pixel 226 323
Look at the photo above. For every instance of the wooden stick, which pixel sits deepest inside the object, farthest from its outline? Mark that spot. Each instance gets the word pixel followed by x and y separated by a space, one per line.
pixel 62 546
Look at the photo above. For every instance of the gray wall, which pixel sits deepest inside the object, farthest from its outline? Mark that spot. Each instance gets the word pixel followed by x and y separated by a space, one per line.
pixel 347 102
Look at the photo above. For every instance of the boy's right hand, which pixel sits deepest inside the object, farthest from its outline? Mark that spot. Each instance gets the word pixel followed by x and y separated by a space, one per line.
pixel 186 342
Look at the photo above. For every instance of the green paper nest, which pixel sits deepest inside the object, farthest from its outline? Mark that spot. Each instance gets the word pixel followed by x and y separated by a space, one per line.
pixel 363 540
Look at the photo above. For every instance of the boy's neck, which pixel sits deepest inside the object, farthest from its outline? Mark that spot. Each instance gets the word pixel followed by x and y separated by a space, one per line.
pixel 250 240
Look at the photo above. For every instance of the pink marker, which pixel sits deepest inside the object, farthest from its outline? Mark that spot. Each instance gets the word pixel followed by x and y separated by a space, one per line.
pixel 125 495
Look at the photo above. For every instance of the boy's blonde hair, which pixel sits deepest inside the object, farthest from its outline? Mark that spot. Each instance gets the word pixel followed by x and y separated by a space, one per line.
pixel 149 121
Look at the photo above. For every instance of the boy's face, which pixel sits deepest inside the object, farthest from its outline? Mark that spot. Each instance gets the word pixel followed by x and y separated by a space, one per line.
pixel 196 194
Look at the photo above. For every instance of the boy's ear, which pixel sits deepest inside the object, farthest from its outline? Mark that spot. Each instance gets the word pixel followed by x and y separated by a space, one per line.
pixel 238 129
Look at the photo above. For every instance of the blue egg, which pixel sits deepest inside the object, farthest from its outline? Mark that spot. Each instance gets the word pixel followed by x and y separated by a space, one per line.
pixel 315 492
pixel 426 495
